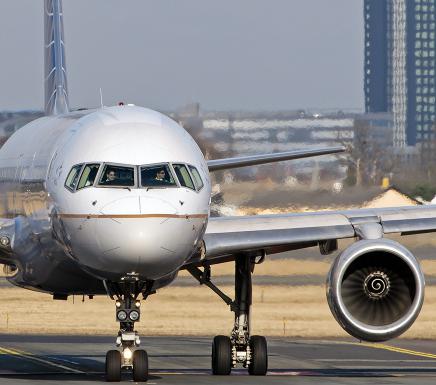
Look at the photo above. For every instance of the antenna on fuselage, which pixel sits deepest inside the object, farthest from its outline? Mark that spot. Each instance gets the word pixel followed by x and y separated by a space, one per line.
pixel 101 98
pixel 56 90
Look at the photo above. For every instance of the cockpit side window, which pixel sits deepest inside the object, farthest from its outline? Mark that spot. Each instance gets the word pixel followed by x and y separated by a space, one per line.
pixel 183 176
pixel 117 176
pixel 88 176
pixel 157 175
pixel 197 178
pixel 73 177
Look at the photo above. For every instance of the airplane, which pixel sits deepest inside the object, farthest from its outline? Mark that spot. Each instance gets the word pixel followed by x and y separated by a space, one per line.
pixel 115 201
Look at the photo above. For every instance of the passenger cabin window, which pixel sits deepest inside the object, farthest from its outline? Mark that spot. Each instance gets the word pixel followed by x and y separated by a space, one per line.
pixel 182 174
pixel 197 178
pixel 157 176
pixel 117 176
pixel 73 177
pixel 88 176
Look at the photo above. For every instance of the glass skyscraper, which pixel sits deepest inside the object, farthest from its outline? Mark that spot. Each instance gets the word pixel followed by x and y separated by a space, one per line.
pixel 400 38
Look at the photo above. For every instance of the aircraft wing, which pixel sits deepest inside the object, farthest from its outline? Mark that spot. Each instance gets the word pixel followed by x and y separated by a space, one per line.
pixel 227 163
pixel 226 237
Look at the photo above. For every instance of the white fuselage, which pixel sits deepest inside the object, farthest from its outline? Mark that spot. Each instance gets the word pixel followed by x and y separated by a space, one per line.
pixel 109 231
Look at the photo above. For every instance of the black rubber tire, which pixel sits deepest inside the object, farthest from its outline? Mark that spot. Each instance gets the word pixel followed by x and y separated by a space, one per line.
pixel 221 356
pixel 259 356
pixel 113 366
pixel 140 366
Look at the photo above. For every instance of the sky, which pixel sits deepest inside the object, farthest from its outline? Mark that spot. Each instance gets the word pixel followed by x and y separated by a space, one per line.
pixel 227 54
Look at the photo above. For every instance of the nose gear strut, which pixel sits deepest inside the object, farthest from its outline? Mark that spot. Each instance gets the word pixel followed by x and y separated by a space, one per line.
pixel 127 312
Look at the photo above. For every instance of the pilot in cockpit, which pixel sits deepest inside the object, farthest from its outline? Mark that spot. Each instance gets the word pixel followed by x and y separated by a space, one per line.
pixel 160 175
pixel 160 178
pixel 110 177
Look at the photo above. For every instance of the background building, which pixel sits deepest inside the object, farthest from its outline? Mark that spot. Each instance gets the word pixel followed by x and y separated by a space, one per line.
pixel 400 66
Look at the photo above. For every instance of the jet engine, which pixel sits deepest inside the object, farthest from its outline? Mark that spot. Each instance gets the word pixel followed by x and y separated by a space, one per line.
pixel 375 289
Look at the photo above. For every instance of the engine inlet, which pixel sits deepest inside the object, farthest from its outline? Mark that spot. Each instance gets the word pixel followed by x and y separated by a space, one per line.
pixel 375 289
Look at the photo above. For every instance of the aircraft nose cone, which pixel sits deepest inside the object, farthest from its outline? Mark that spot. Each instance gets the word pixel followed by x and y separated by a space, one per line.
pixel 138 236
pixel 122 206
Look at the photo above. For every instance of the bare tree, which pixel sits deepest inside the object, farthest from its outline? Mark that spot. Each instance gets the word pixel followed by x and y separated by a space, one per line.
pixel 369 158
pixel 417 176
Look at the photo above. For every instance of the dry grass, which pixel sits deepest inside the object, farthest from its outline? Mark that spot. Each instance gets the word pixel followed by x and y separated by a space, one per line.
pixel 428 266
pixel 278 310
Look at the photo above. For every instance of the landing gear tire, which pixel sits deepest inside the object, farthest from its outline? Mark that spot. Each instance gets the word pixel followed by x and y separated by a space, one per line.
pixel 221 356
pixel 140 366
pixel 113 366
pixel 259 356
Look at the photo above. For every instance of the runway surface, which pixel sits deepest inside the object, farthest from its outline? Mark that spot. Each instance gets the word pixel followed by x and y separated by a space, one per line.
pixel 186 360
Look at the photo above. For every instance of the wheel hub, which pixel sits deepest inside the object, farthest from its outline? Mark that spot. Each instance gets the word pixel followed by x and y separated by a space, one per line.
pixel 376 285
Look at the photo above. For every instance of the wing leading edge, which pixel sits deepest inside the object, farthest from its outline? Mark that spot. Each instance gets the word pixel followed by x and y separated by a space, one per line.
pixel 227 163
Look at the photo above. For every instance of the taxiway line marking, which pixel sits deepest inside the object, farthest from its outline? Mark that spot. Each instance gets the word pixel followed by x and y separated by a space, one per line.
pixel 396 349
pixel 371 360
pixel 31 357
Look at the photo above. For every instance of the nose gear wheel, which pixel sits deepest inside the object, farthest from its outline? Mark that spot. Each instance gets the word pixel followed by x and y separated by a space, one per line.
pixel 113 366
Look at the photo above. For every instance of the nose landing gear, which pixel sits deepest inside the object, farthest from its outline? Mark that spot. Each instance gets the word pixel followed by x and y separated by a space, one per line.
pixel 127 313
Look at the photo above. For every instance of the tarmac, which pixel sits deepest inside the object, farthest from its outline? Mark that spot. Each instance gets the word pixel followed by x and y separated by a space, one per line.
pixel 186 360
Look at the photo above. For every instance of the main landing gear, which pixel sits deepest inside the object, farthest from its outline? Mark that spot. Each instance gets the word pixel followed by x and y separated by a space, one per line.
pixel 127 313
pixel 240 347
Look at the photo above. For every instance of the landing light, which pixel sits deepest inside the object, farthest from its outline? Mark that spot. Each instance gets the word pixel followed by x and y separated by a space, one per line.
pixel 134 315
pixel 118 304
pixel 5 241
pixel 121 315
pixel 127 354
pixel 138 303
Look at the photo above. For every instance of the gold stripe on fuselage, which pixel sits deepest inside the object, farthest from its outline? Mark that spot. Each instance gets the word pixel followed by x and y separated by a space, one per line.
pixel 129 216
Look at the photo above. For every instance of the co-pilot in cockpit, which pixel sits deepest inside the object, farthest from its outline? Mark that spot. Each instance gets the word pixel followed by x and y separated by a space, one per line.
pixel 157 175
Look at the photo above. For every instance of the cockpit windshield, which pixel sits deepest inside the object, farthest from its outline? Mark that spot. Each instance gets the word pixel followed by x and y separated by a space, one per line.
pixel 183 176
pixel 197 178
pixel 73 177
pixel 114 175
pixel 158 175
pixel 88 176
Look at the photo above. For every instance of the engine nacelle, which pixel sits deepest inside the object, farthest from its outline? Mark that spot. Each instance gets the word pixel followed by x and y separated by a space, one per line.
pixel 375 289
